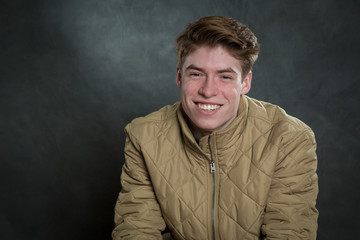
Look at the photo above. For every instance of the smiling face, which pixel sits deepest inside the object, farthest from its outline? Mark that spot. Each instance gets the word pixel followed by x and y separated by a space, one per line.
pixel 211 84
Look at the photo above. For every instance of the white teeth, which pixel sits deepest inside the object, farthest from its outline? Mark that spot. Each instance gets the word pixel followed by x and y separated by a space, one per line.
pixel 208 107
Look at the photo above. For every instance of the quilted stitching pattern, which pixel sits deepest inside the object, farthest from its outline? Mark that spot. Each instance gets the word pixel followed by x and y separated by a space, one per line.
pixel 246 162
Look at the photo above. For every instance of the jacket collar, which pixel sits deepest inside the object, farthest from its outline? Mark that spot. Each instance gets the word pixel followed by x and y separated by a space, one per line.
pixel 222 138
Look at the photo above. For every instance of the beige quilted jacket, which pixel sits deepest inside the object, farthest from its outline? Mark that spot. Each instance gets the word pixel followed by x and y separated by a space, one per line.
pixel 254 180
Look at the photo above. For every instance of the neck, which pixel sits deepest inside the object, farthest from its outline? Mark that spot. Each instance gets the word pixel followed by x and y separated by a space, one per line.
pixel 197 132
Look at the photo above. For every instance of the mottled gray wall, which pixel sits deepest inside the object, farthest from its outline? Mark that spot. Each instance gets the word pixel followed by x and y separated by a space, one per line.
pixel 74 72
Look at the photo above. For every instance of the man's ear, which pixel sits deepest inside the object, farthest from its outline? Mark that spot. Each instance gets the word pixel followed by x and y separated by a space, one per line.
pixel 178 77
pixel 246 84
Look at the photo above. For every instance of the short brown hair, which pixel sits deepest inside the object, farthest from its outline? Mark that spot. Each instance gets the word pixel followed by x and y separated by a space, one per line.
pixel 234 36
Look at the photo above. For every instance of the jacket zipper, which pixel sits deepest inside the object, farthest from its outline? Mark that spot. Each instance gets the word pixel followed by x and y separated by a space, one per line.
pixel 212 171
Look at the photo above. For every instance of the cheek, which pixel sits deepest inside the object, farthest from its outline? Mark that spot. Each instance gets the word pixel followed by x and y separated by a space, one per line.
pixel 186 94
pixel 189 89
pixel 233 93
pixel 236 91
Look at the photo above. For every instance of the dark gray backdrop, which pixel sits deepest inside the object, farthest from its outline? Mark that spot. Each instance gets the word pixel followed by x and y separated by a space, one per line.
pixel 74 72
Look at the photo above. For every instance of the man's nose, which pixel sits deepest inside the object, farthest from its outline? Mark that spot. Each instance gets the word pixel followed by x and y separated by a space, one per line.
pixel 209 88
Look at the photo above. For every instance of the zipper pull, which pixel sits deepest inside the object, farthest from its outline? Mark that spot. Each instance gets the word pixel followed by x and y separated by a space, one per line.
pixel 212 167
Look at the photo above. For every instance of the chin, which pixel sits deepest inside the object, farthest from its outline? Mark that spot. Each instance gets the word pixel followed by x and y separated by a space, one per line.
pixel 208 127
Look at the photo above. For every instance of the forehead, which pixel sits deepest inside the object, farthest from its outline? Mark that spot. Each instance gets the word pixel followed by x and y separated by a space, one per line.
pixel 212 58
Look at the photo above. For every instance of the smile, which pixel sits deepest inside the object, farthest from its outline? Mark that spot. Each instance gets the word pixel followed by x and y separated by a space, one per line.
pixel 208 107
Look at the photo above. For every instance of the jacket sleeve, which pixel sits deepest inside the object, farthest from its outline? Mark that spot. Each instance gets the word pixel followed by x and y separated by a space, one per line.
pixel 137 212
pixel 290 212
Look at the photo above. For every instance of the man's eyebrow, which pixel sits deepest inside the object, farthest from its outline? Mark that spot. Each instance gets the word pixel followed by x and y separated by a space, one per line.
pixel 193 67
pixel 227 70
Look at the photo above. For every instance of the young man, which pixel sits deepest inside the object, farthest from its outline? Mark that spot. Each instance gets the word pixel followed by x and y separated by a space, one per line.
pixel 218 164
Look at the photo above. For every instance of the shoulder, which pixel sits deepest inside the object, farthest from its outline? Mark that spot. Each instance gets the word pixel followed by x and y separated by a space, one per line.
pixel 273 119
pixel 153 124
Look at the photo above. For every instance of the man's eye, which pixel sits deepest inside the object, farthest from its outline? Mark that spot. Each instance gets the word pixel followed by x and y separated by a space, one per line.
pixel 195 74
pixel 226 77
